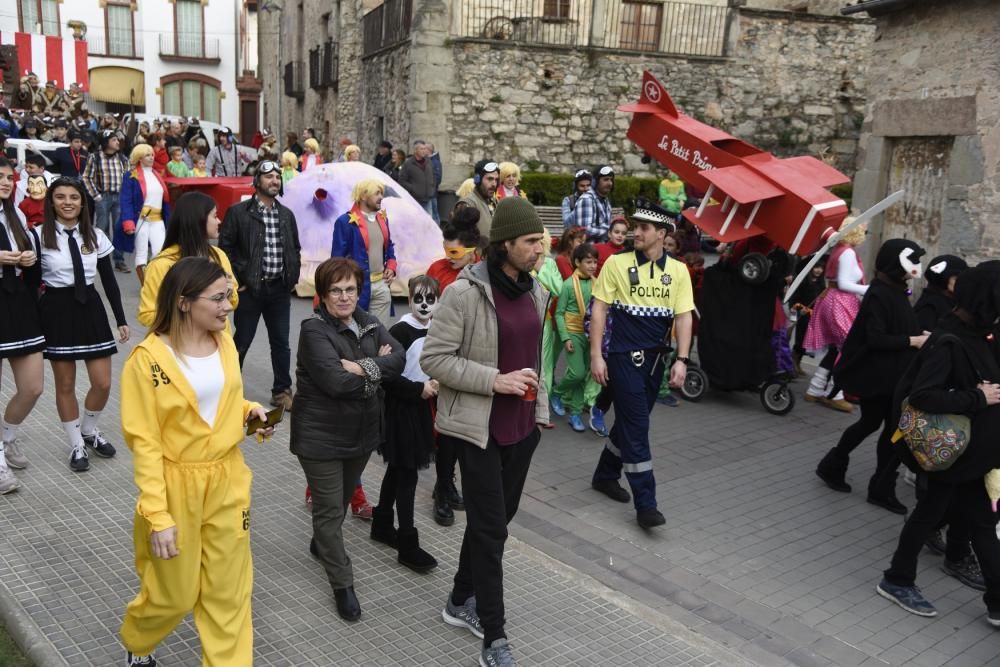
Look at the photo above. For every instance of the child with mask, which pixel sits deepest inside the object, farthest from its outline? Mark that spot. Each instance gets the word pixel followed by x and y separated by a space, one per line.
pixel 409 423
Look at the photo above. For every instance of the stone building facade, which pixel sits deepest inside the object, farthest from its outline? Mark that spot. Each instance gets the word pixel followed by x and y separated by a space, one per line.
pixel 931 125
pixel 791 82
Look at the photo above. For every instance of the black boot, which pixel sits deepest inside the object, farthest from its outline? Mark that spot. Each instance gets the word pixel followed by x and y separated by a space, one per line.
pixel 382 528
pixel 347 603
pixel 882 492
pixel 410 553
pixel 455 499
pixel 443 515
pixel 832 469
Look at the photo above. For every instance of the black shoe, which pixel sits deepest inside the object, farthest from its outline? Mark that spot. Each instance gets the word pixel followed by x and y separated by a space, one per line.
pixel 455 500
pixel 99 444
pixel 936 544
pixel 650 518
pixel 139 660
pixel 347 603
pixel 312 548
pixel 382 526
pixel 78 460
pixel 443 516
pixel 890 503
pixel 612 489
pixel 122 267
pixel 411 555
pixel 967 571
pixel 832 469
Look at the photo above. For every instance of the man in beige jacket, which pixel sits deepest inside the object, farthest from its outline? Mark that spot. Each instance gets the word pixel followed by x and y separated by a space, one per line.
pixel 484 348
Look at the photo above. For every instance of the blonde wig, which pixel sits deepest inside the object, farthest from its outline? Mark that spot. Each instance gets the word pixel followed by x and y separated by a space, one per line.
pixel 509 169
pixel 140 151
pixel 366 188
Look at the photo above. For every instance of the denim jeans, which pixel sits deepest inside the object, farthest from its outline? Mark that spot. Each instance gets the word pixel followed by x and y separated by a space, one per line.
pixel 106 215
pixel 434 209
pixel 274 303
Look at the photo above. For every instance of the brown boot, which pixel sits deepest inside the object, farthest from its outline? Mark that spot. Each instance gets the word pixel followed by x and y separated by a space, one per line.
pixel 838 402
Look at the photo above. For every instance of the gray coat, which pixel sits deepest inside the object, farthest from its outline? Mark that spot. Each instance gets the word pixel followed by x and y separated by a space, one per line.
pixel 339 415
pixel 418 180
pixel 461 352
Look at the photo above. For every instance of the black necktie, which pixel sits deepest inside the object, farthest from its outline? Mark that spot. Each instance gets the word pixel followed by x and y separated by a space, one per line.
pixel 79 279
pixel 9 280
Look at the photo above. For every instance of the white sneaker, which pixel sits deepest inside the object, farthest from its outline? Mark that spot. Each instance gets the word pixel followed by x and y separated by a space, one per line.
pixel 15 457
pixel 8 482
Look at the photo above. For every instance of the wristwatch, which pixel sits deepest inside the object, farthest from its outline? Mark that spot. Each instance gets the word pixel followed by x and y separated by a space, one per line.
pixel 686 360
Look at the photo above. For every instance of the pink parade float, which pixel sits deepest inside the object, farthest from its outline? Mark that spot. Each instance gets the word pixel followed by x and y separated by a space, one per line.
pixel 319 195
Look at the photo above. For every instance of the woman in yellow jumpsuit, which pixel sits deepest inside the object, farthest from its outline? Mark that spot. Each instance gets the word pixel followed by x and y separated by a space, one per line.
pixel 183 416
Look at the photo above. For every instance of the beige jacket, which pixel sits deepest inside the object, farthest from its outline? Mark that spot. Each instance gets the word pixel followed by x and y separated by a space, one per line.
pixel 461 351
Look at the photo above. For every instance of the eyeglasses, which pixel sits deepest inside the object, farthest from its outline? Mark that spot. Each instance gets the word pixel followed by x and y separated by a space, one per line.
pixel 267 166
pixel 457 252
pixel 337 293
pixel 219 299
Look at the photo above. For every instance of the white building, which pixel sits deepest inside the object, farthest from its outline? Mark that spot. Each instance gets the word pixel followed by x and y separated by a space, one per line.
pixel 184 57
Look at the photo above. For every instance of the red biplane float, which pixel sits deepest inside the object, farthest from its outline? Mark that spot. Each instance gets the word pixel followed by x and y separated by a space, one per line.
pixel 785 199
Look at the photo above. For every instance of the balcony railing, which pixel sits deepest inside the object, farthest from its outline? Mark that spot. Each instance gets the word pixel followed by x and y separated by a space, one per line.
pixel 188 46
pixel 294 84
pixel 121 45
pixel 658 26
pixel 387 25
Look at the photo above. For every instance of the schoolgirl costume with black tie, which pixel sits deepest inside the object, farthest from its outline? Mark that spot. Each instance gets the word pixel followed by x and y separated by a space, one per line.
pixel 20 329
pixel 73 318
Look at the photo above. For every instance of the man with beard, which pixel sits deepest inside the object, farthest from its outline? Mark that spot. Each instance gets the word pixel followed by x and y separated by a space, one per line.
pixel 483 349
pixel 261 239
pixel 651 297
pixel 486 178
pixel 593 208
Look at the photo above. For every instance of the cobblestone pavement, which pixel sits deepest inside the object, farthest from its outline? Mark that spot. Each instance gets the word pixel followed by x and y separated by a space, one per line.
pixel 758 563
pixel 66 555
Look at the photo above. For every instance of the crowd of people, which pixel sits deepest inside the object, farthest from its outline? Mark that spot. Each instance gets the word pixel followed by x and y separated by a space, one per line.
pixel 467 379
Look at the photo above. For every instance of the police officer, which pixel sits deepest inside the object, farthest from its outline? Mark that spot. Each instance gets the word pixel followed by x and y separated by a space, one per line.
pixel 650 296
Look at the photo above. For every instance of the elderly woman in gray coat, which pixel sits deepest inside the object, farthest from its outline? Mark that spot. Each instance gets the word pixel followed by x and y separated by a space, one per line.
pixel 344 356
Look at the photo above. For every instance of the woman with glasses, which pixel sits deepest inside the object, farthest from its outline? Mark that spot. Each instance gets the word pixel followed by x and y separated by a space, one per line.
pixel 184 417
pixel 193 224
pixel 74 321
pixel 21 339
pixel 145 209
pixel 344 356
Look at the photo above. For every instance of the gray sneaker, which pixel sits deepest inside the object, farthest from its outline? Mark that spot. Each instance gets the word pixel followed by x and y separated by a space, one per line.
pixel 15 457
pixel 8 482
pixel 464 616
pixel 497 655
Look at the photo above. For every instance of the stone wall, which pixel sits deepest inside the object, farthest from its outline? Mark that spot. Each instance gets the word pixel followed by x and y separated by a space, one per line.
pixel 793 84
pixel 924 95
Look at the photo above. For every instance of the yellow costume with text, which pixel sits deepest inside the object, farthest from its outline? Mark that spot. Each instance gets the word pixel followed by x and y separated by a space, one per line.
pixel 191 476
pixel 157 269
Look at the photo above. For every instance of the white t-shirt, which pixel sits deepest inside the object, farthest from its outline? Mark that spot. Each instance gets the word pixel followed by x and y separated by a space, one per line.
pixel 57 264
pixel 10 234
pixel 207 377
pixel 154 191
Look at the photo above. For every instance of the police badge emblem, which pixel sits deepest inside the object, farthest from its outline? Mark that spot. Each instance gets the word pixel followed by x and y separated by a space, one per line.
pixel 666 279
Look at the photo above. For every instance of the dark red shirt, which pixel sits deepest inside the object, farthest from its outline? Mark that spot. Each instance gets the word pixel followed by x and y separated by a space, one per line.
pixel 520 331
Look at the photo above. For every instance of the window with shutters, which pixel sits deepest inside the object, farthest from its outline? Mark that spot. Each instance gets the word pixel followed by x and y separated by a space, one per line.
pixel 640 27
pixel 556 9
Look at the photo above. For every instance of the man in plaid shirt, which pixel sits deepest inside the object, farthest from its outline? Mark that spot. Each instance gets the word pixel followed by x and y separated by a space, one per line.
pixel 593 208
pixel 261 239
pixel 103 179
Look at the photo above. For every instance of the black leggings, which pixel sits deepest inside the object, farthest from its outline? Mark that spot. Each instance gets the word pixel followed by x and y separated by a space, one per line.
pixel 875 412
pixel 444 461
pixel 399 486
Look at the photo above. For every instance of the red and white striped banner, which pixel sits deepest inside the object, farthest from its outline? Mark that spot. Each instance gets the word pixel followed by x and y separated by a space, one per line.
pixel 51 58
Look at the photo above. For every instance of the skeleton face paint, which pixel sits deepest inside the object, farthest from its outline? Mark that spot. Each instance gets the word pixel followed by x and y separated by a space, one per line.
pixel 423 304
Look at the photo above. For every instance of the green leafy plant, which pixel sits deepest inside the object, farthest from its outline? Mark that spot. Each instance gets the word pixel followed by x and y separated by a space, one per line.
pixel 549 189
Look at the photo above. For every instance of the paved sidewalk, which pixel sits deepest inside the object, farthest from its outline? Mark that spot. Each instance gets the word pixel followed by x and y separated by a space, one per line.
pixel 66 555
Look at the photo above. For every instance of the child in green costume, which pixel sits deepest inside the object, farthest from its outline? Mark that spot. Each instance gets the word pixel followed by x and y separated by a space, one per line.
pixel 569 394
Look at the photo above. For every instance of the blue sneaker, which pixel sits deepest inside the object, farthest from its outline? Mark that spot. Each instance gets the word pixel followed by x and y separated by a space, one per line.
pixel 557 405
pixel 597 422
pixel 576 423
pixel 667 399
pixel 908 597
